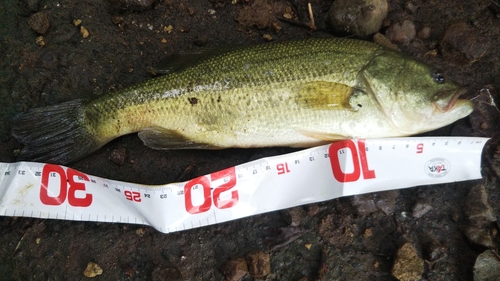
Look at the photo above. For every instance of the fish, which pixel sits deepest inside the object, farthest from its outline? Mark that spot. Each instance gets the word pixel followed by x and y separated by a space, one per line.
pixel 300 93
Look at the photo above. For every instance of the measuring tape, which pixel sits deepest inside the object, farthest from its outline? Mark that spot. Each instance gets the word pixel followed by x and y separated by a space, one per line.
pixel 322 173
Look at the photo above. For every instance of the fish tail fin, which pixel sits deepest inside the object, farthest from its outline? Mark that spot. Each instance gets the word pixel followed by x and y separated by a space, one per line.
pixel 55 134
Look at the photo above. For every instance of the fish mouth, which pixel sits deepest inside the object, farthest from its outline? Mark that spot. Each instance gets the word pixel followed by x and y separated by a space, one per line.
pixel 445 101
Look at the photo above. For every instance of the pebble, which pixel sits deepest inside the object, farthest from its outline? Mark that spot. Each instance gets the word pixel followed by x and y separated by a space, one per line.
pixel 235 269
pixel 40 41
pixel 77 22
pixel 401 33
pixel 424 32
pixel 118 156
pixel 267 37
pixel 362 18
pixel 84 32
pixel 39 22
pixel 421 208
pixel 480 216
pixel 259 264
pixel 380 39
pixel 366 204
pixel 131 4
pixel 487 267
pixel 408 266
pixel 463 44
pixel 92 270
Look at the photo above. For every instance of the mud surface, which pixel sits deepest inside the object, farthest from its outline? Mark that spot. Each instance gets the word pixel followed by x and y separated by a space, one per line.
pixel 116 44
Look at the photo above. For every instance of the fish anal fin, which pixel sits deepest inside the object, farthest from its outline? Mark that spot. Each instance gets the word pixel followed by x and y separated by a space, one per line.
pixel 324 95
pixel 162 139
pixel 326 137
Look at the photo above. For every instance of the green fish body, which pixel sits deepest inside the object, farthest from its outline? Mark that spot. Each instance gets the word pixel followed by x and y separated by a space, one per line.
pixel 297 93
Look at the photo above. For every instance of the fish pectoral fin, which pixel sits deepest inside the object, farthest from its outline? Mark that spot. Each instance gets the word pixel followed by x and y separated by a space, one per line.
pixel 324 95
pixel 326 137
pixel 161 138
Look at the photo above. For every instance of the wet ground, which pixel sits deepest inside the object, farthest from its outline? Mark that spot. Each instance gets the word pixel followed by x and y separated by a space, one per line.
pixel 117 43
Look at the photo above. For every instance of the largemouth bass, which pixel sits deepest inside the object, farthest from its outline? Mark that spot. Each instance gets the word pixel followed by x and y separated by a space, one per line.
pixel 298 93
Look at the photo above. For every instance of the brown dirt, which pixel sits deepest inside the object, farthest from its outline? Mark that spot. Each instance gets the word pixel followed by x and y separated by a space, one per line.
pixel 123 45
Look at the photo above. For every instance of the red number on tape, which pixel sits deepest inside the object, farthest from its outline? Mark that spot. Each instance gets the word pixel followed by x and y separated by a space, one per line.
pixel 67 187
pixel 132 195
pixel 339 175
pixel 282 168
pixel 420 148
pixel 207 183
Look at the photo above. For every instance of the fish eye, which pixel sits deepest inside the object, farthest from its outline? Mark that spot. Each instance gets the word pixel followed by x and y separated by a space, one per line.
pixel 438 77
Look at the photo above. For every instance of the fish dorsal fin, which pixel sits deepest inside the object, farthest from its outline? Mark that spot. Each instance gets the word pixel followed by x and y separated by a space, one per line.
pixel 161 138
pixel 185 59
pixel 324 95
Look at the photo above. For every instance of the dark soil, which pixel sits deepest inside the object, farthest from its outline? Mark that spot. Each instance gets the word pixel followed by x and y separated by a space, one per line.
pixel 126 39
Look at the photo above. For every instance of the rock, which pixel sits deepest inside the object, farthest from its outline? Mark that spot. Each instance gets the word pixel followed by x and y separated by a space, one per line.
pixel 487 267
pixel 463 44
pixel 421 208
pixel 40 41
pixel 359 17
pixel 92 270
pixel 39 22
pixel 401 33
pixel 408 266
pixel 84 32
pixel 380 201
pixel 380 39
pixel 267 37
pixel 118 156
pixel 259 264
pixel 424 32
pixel 235 269
pixel 480 217
pixel 131 4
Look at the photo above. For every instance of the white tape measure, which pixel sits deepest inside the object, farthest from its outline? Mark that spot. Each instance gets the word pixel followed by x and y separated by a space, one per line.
pixel 322 173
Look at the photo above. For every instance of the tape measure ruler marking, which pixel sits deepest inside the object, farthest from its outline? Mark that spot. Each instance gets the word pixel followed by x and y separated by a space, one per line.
pixel 312 175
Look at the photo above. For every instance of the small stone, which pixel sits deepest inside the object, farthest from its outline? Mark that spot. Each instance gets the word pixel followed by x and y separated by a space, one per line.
pixel 84 32
pixel 288 13
pixel 308 246
pixel 293 216
pixel 424 32
pixel 259 264
pixel 40 41
pixel 77 22
pixel 464 44
pixel 235 269
pixel 267 37
pixel 367 233
pixel 92 270
pixel 140 232
pixel 132 4
pixel 408 266
pixel 480 217
pixel 411 8
pixel 163 40
pixel 118 156
pixel 487 267
pixel 39 22
pixel 168 29
pixel 362 17
pixel 37 241
pixel 276 27
pixel 420 209
pixel 380 39
pixel 401 33
pixel 372 202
